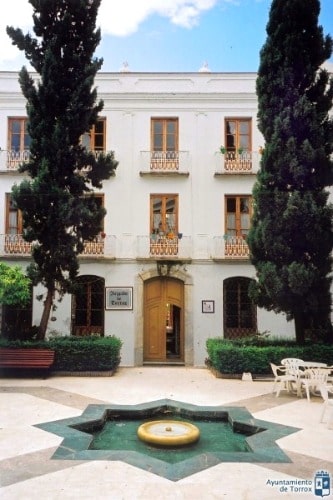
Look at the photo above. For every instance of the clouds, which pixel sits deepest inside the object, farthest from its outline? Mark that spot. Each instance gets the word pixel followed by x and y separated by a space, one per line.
pixel 117 18
pixel 16 13
pixel 124 17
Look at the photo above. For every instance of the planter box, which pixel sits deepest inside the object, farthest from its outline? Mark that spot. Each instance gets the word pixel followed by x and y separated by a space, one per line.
pixel 94 373
pixel 218 374
pixel 238 376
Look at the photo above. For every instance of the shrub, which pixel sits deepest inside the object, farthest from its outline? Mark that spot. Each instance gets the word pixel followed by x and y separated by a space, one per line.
pixel 243 355
pixel 86 353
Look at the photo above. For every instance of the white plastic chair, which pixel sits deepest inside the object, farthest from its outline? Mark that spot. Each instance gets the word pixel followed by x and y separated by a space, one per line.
pixel 282 380
pixel 326 391
pixel 294 369
pixel 313 379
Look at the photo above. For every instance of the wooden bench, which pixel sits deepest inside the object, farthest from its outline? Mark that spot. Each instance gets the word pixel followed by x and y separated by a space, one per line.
pixel 29 358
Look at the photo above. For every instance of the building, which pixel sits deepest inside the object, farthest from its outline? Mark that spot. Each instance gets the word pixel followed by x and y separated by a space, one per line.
pixel 171 267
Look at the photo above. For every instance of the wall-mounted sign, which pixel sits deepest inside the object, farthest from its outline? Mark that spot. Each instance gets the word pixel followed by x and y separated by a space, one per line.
pixel 119 298
pixel 208 306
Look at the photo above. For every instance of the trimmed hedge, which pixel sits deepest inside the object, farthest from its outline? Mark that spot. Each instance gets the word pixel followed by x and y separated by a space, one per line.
pixel 74 354
pixel 234 357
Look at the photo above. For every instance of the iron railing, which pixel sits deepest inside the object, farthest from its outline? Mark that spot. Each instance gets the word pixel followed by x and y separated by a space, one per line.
pixel 230 247
pixel 233 162
pixel 164 246
pixel 164 161
pixel 14 244
pixel 11 159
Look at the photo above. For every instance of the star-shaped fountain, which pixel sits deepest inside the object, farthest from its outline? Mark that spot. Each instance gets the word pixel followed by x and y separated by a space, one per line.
pixel 174 464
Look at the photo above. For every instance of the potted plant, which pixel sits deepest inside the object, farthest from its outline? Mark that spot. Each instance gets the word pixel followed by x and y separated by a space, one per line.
pixel 222 150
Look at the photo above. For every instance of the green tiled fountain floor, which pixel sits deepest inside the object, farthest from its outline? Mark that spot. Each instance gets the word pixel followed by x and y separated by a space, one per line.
pixel 78 436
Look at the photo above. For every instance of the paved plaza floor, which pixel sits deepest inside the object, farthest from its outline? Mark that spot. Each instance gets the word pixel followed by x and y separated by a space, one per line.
pixel 27 470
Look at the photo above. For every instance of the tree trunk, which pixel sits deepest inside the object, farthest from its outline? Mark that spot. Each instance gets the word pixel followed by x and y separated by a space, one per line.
pixel 299 328
pixel 46 314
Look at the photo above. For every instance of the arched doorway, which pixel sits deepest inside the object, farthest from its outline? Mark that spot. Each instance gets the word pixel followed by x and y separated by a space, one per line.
pixel 88 306
pixel 163 320
pixel 239 312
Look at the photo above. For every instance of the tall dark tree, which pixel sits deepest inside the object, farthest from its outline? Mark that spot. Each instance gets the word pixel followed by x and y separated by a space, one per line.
pixel 59 210
pixel 291 237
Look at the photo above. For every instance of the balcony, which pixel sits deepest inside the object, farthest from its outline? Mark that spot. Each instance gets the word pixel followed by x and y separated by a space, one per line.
pixel 10 160
pixel 14 244
pixel 230 247
pixel 237 163
pixel 164 247
pixel 164 162
pixel 101 246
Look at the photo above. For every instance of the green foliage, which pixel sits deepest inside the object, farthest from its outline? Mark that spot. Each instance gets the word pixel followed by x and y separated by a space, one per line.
pixel 236 357
pixel 86 353
pixel 15 286
pixel 19 331
pixel 56 199
pixel 291 236
pixel 78 353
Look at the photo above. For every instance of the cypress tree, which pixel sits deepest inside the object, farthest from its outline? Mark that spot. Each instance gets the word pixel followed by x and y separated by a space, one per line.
pixel 56 198
pixel 291 236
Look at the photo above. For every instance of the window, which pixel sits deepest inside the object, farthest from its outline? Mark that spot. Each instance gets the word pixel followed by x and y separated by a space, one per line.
pixel 240 317
pixel 164 144
pixel 95 246
pixel 18 136
pixel 238 215
pixel 95 200
pixel 164 134
pixel 164 215
pixel 88 306
pixel 95 139
pixel 14 242
pixel 164 224
pixel 14 224
pixel 238 135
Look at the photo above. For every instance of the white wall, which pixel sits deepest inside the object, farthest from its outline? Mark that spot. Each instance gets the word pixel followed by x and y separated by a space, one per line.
pixel 201 101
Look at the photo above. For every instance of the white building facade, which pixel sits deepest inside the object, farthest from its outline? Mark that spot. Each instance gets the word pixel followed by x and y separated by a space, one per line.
pixel 171 267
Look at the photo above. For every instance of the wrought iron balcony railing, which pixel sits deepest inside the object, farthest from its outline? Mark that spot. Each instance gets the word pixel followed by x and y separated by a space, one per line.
pixel 164 246
pixel 14 244
pixel 237 163
pixel 230 247
pixel 11 159
pixel 147 247
pixel 165 161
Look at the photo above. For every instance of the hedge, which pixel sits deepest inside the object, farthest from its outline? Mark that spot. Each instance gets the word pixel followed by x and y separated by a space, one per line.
pixel 235 357
pixel 77 353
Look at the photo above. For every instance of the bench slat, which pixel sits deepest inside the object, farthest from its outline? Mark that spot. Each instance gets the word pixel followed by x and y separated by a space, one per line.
pixel 26 358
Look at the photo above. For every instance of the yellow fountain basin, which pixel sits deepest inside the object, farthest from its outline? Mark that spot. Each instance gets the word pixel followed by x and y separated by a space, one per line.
pixel 168 433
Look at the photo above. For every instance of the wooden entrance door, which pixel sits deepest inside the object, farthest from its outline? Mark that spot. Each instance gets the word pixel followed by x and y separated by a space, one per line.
pixel 88 306
pixel 164 320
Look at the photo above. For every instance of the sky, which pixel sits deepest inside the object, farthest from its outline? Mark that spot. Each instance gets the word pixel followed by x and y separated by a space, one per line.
pixel 167 35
